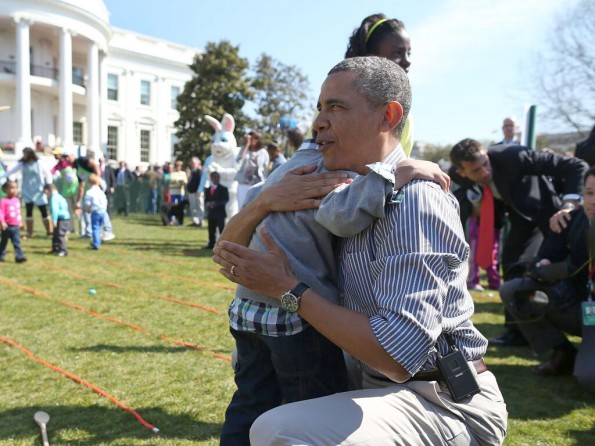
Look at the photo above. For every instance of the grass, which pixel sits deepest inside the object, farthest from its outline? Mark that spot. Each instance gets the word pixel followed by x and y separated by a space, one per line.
pixel 171 363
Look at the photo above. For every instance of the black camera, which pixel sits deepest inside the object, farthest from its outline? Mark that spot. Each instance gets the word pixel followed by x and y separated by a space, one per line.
pixel 550 273
pixel 534 302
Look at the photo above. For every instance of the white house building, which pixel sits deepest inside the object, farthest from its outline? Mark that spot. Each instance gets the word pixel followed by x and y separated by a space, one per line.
pixel 70 78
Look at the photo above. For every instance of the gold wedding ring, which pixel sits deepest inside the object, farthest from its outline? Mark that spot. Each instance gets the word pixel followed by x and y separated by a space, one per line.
pixel 232 270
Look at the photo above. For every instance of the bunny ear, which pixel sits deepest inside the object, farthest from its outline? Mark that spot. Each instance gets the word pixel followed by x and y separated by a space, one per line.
pixel 214 123
pixel 228 122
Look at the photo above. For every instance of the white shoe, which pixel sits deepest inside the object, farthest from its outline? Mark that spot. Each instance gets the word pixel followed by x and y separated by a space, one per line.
pixel 107 236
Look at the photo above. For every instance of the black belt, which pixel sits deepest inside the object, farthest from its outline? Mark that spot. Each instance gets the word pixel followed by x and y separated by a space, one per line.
pixel 435 375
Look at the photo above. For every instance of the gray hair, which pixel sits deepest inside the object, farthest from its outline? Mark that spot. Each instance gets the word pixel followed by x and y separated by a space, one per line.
pixel 380 81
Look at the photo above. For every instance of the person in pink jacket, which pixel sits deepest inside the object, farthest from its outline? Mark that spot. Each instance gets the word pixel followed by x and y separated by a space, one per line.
pixel 11 222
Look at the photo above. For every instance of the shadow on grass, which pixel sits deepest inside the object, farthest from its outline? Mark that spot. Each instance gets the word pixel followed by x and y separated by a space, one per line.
pixel 490 329
pixel 198 252
pixel 145 244
pixel 171 249
pixel 495 307
pixel 139 349
pixel 582 437
pixel 73 424
pixel 143 349
pixel 143 219
pixel 530 397
pixel 509 353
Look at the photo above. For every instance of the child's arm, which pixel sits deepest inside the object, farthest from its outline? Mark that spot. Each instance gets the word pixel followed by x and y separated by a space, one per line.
pixel 80 193
pixel 350 209
pixel 300 189
pixel 87 201
pixel 2 217
pixel 54 210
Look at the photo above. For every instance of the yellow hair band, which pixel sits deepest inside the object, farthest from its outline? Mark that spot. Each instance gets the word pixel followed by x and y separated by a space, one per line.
pixel 371 30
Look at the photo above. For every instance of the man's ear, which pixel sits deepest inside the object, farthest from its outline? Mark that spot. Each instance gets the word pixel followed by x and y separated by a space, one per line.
pixel 460 172
pixel 393 114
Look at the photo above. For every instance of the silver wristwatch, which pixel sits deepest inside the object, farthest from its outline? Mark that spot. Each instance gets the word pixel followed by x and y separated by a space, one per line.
pixel 290 300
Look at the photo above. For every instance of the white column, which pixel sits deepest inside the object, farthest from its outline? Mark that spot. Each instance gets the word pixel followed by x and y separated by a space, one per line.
pixel 66 87
pixel 103 102
pixel 93 95
pixel 23 76
pixel 160 130
pixel 131 132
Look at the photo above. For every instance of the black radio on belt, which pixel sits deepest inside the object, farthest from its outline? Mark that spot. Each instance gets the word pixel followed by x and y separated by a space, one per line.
pixel 457 374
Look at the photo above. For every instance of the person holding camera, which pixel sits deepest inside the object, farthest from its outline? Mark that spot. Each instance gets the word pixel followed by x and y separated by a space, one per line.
pixel 526 186
pixel 546 303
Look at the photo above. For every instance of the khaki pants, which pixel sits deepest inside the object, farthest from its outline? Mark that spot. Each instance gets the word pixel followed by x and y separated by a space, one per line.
pixel 414 413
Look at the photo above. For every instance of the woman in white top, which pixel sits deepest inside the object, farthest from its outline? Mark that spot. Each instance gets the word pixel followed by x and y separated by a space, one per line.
pixel 34 176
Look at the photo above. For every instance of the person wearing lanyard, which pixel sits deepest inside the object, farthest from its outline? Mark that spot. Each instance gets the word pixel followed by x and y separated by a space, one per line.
pixel 547 304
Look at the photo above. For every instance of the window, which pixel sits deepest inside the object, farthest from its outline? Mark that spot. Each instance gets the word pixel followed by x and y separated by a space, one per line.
pixel 112 87
pixel 77 133
pixel 145 145
pixel 112 142
pixel 173 142
pixel 78 76
pixel 175 92
pixel 145 92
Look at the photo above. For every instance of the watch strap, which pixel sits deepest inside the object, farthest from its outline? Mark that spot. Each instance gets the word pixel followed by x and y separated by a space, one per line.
pixel 299 289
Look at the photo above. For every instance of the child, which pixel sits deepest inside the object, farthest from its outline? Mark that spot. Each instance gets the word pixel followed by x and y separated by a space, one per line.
pixel 173 213
pixel 11 221
pixel 60 217
pixel 216 197
pixel 96 205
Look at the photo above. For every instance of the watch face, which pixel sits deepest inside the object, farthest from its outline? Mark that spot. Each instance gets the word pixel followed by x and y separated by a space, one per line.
pixel 289 302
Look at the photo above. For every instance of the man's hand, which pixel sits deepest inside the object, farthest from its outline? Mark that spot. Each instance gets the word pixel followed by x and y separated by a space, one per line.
pixel 268 272
pixel 410 169
pixel 560 220
pixel 300 189
pixel 4 225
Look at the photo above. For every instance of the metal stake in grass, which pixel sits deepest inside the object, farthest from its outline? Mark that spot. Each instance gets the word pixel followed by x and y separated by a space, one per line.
pixel 42 418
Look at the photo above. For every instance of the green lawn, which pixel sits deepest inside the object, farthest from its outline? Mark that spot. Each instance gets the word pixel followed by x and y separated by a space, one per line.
pixel 154 336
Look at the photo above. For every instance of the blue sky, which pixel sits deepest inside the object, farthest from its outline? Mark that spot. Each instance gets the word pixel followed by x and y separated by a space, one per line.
pixel 471 59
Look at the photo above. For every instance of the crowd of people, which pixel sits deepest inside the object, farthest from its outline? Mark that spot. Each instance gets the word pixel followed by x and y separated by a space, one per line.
pixel 353 263
pixel 173 190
